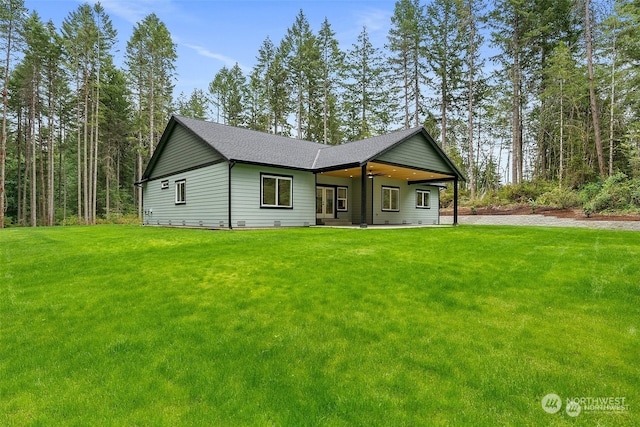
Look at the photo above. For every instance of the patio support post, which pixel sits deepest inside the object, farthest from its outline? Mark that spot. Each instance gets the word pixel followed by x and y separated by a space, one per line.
pixel 363 197
pixel 455 201
pixel 232 163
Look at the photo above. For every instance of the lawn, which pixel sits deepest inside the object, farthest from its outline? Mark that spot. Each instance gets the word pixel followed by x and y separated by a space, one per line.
pixel 126 325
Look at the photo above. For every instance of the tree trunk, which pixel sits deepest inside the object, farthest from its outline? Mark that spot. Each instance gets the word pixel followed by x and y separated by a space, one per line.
pixel 20 219
pixel 516 125
pixel 94 202
pixel 32 139
pixel 51 158
pixel 85 142
pixel 611 107
pixel 3 143
pixel 78 150
pixel 595 114
pixel 443 113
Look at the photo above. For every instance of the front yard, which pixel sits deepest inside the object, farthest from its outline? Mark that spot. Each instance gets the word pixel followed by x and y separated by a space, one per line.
pixel 127 325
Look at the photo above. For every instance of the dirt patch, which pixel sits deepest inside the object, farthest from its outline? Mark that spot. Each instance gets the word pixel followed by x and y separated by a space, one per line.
pixel 547 211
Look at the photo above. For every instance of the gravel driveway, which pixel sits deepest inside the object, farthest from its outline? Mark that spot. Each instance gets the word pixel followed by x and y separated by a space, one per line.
pixel 541 220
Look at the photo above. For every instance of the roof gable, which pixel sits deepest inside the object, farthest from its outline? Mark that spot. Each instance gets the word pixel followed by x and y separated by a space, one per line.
pixel 185 151
pixel 411 147
pixel 419 151
pixel 245 145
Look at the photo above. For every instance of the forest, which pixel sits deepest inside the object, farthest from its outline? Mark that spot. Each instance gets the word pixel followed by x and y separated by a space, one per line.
pixel 537 101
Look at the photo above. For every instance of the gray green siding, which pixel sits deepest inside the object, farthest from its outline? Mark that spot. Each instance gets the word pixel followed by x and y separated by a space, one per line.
pixel 245 197
pixel 408 213
pixel 183 151
pixel 416 152
pixel 206 199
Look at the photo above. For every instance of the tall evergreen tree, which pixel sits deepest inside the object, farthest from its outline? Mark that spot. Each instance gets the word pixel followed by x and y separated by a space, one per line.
pixel 195 106
pixel 472 41
pixel 444 53
pixel 150 59
pixel 595 112
pixel 367 98
pixel 301 53
pixel 332 64
pixel 407 38
pixel 11 16
pixel 271 89
pixel 88 36
pixel 229 88
pixel 116 130
pixel 510 36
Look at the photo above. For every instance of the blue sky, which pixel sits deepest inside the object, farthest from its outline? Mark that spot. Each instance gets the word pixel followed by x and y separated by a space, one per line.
pixel 210 34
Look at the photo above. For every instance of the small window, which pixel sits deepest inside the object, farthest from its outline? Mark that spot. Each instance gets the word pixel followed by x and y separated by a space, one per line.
pixel 181 192
pixel 342 198
pixel 277 191
pixel 164 184
pixel 422 199
pixel 390 199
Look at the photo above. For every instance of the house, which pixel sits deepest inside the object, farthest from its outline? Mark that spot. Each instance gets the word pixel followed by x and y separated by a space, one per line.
pixel 205 174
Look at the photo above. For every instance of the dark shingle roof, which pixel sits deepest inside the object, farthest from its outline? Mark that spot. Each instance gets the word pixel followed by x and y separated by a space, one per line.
pixel 361 151
pixel 252 146
pixel 249 146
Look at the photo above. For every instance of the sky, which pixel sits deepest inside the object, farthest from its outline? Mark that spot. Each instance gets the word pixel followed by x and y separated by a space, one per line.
pixel 211 34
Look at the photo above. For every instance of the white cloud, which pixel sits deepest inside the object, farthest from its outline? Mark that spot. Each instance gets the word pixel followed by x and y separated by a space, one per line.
pixel 374 19
pixel 134 11
pixel 203 51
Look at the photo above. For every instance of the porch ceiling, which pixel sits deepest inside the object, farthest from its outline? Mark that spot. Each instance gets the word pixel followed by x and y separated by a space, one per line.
pixel 393 172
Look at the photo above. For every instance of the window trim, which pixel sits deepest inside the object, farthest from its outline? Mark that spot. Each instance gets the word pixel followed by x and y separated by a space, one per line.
pixel 423 192
pixel 181 183
pixel 391 189
pixel 345 198
pixel 277 178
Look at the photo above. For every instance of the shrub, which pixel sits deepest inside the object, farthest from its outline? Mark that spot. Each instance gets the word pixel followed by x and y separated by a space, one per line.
pixel 589 191
pixel 523 192
pixel 562 198
pixel 616 193
pixel 115 218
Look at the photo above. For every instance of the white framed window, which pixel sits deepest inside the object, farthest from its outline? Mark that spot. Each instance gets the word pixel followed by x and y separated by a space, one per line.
pixel 423 199
pixel 181 192
pixel 276 191
pixel 341 196
pixel 164 184
pixel 391 199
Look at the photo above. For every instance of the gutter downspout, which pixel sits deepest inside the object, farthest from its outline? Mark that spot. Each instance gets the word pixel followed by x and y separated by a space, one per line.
pixel 232 163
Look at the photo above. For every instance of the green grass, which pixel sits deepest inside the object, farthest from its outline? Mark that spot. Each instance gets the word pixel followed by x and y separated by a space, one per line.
pixel 125 325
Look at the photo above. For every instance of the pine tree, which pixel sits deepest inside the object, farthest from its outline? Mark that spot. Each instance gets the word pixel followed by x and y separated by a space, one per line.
pixel 407 38
pixel 228 89
pixel 472 41
pixel 332 64
pixel 301 54
pixel 271 89
pixel 196 106
pixel 444 53
pixel 35 40
pixel 367 98
pixel 88 36
pixel 510 29
pixel 150 59
pixel 11 13
pixel 116 129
